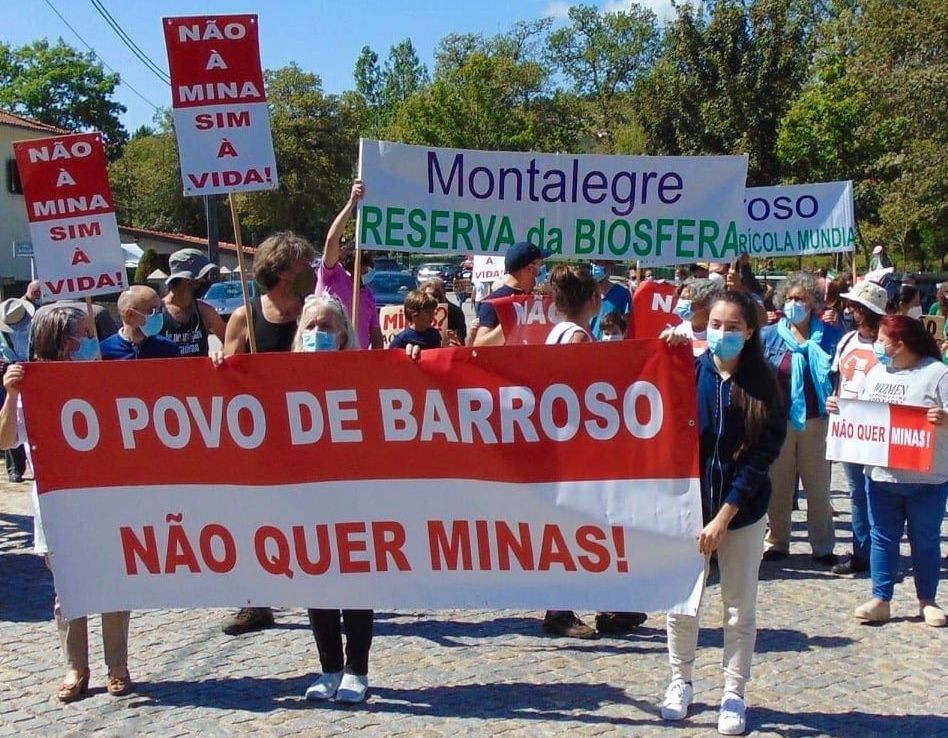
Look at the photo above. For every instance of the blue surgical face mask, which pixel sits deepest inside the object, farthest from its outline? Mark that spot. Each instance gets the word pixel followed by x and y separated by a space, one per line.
pixel 794 311
pixel 598 272
pixel 879 350
pixel 153 324
pixel 725 344
pixel 88 349
pixel 368 276
pixel 319 341
pixel 683 309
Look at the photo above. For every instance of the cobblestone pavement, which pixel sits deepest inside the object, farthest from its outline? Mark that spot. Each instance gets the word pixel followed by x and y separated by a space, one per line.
pixel 454 673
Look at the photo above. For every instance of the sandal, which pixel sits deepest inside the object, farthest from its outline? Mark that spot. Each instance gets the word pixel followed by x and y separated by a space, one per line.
pixel 72 691
pixel 118 685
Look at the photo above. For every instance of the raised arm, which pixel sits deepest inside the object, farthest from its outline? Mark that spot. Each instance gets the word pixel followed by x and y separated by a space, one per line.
pixel 331 252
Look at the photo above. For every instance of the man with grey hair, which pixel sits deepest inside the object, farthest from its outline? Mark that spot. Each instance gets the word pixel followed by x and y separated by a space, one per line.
pixel 800 347
pixel 140 336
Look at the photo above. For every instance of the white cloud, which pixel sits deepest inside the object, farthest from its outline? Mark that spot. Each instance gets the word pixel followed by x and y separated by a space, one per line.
pixel 662 8
pixel 558 9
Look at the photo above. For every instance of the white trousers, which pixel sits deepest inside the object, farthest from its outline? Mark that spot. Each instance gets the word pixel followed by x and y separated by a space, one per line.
pixel 739 558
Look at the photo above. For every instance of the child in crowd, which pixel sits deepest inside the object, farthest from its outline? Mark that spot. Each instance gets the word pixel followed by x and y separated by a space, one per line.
pixel 613 327
pixel 420 331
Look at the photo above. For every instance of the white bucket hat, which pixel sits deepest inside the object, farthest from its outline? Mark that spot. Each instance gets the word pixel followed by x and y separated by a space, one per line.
pixel 12 311
pixel 869 295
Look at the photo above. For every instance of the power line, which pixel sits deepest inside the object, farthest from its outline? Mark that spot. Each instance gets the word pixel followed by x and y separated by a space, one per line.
pixel 126 39
pixel 102 61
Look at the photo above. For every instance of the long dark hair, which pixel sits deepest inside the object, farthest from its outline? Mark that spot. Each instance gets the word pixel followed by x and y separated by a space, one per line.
pixel 754 389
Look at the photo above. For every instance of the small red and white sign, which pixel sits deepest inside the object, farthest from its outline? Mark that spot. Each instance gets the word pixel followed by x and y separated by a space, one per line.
pixel 526 319
pixel 219 104
pixel 878 434
pixel 487 268
pixel 653 308
pixel 76 245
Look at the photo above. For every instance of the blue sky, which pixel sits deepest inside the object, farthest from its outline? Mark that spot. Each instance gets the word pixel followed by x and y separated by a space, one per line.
pixel 322 36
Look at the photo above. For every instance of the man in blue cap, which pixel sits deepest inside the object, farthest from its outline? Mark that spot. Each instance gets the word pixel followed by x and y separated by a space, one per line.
pixel 523 264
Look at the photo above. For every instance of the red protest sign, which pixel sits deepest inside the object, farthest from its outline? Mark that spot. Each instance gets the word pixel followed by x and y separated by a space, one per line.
pixel 526 319
pixel 76 245
pixel 879 434
pixel 294 479
pixel 653 308
pixel 219 104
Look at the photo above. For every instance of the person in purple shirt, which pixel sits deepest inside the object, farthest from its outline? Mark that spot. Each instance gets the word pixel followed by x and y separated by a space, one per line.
pixel 139 337
pixel 335 274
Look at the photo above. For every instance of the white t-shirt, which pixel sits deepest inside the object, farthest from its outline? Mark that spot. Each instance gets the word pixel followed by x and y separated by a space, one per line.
pixel 854 359
pixel 924 385
pixel 564 332
pixel 699 339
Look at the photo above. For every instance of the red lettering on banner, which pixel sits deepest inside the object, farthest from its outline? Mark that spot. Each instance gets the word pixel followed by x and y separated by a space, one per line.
pixel 872 433
pixel 85 283
pixel 231 177
pixel 388 538
pixel 591 539
pixel 178 549
pixel 303 560
pixel 79 230
pixel 226 149
pixel 346 547
pixel 80 257
pixel 653 306
pixel 445 553
pixel 229 119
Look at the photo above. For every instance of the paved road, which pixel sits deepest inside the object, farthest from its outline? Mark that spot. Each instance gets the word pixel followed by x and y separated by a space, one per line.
pixel 472 673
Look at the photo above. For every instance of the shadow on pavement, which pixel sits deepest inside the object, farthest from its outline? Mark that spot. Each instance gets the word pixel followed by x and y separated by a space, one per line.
pixel 26 585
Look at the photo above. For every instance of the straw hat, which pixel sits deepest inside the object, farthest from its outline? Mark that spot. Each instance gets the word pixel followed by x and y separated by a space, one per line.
pixel 12 311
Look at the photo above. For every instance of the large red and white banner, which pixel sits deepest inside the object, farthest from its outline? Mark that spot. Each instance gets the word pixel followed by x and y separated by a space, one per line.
pixel 526 476
pixel 878 434
pixel 526 319
pixel 219 104
pixel 76 245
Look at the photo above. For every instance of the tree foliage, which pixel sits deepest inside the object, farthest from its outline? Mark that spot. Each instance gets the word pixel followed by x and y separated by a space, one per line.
pixel 58 85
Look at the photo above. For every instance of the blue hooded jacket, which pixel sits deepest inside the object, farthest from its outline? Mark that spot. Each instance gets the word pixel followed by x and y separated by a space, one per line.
pixel 743 481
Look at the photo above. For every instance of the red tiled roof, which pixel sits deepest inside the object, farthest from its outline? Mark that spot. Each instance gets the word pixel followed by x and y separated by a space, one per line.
pixel 180 238
pixel 18 121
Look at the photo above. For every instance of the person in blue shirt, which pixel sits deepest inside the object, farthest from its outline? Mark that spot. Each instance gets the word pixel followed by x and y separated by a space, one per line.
pixel 419 315
pixel 142 319
pixel 616 298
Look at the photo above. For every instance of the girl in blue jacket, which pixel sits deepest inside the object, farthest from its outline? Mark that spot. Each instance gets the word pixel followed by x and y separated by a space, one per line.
pixel 742 423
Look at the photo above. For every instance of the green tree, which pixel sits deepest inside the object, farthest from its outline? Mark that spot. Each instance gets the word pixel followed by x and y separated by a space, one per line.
pixel 604 55
pixel 60 86
pixel 384 89
pixel 728 73
pixel 146 265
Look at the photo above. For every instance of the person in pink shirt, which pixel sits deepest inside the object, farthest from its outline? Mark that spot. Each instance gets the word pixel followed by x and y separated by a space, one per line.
pixel 334 275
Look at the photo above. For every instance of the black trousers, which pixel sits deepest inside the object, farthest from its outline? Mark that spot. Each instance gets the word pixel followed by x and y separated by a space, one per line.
pixel 327 630
pixel 16 461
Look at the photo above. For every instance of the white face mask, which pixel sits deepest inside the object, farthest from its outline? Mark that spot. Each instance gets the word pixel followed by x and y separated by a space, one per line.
pixel 611 337
pixel 915 312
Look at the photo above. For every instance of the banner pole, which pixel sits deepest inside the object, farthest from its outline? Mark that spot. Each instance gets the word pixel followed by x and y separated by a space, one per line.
pixel 357 266
pixel 252 338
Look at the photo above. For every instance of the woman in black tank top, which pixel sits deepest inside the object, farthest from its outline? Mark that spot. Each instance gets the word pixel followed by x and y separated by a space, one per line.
pixel 271 337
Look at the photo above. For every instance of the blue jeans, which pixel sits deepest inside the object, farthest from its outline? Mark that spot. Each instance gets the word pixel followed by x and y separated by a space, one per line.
pixel 860 510
pixel 891 505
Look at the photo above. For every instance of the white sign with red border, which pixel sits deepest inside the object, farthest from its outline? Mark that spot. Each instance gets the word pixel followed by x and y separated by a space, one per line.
pixel 878 434
pixel 76 245
pixel 219 104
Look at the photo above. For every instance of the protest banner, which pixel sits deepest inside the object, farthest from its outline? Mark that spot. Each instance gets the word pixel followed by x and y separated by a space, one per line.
pixel 364 479
pixel 526 319
pixel 392 320
pixel 799 220
pixel 879 434
pixel 77 251
pixel 653 308
pixel 669 210
pixel 488 268
pixel 935 325
pixel 219 104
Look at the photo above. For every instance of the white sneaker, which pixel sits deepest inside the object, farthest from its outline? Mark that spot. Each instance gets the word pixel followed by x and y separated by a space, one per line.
pixel 352 689
pixel 732 719
pixel 678 698
pixel 325 687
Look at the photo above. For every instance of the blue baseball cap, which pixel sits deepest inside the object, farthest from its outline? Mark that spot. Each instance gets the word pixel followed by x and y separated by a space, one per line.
pixel 521 255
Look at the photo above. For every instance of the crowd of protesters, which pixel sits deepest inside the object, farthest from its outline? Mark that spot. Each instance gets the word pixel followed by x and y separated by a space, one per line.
pixel 771 366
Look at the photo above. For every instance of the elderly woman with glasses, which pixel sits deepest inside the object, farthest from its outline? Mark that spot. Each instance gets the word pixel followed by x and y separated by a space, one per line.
pixel 800 347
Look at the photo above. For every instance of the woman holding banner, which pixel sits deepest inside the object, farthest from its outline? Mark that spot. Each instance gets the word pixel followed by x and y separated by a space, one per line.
pixel 66 334
pixel 800 348
pixel 742 424
pixel 577 295
pixel 325 326
pixel 909 372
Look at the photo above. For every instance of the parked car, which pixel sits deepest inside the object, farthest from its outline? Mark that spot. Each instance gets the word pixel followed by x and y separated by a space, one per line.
pixel 390 288
pixel 445 270
pixel 387 264
pixel 226 297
